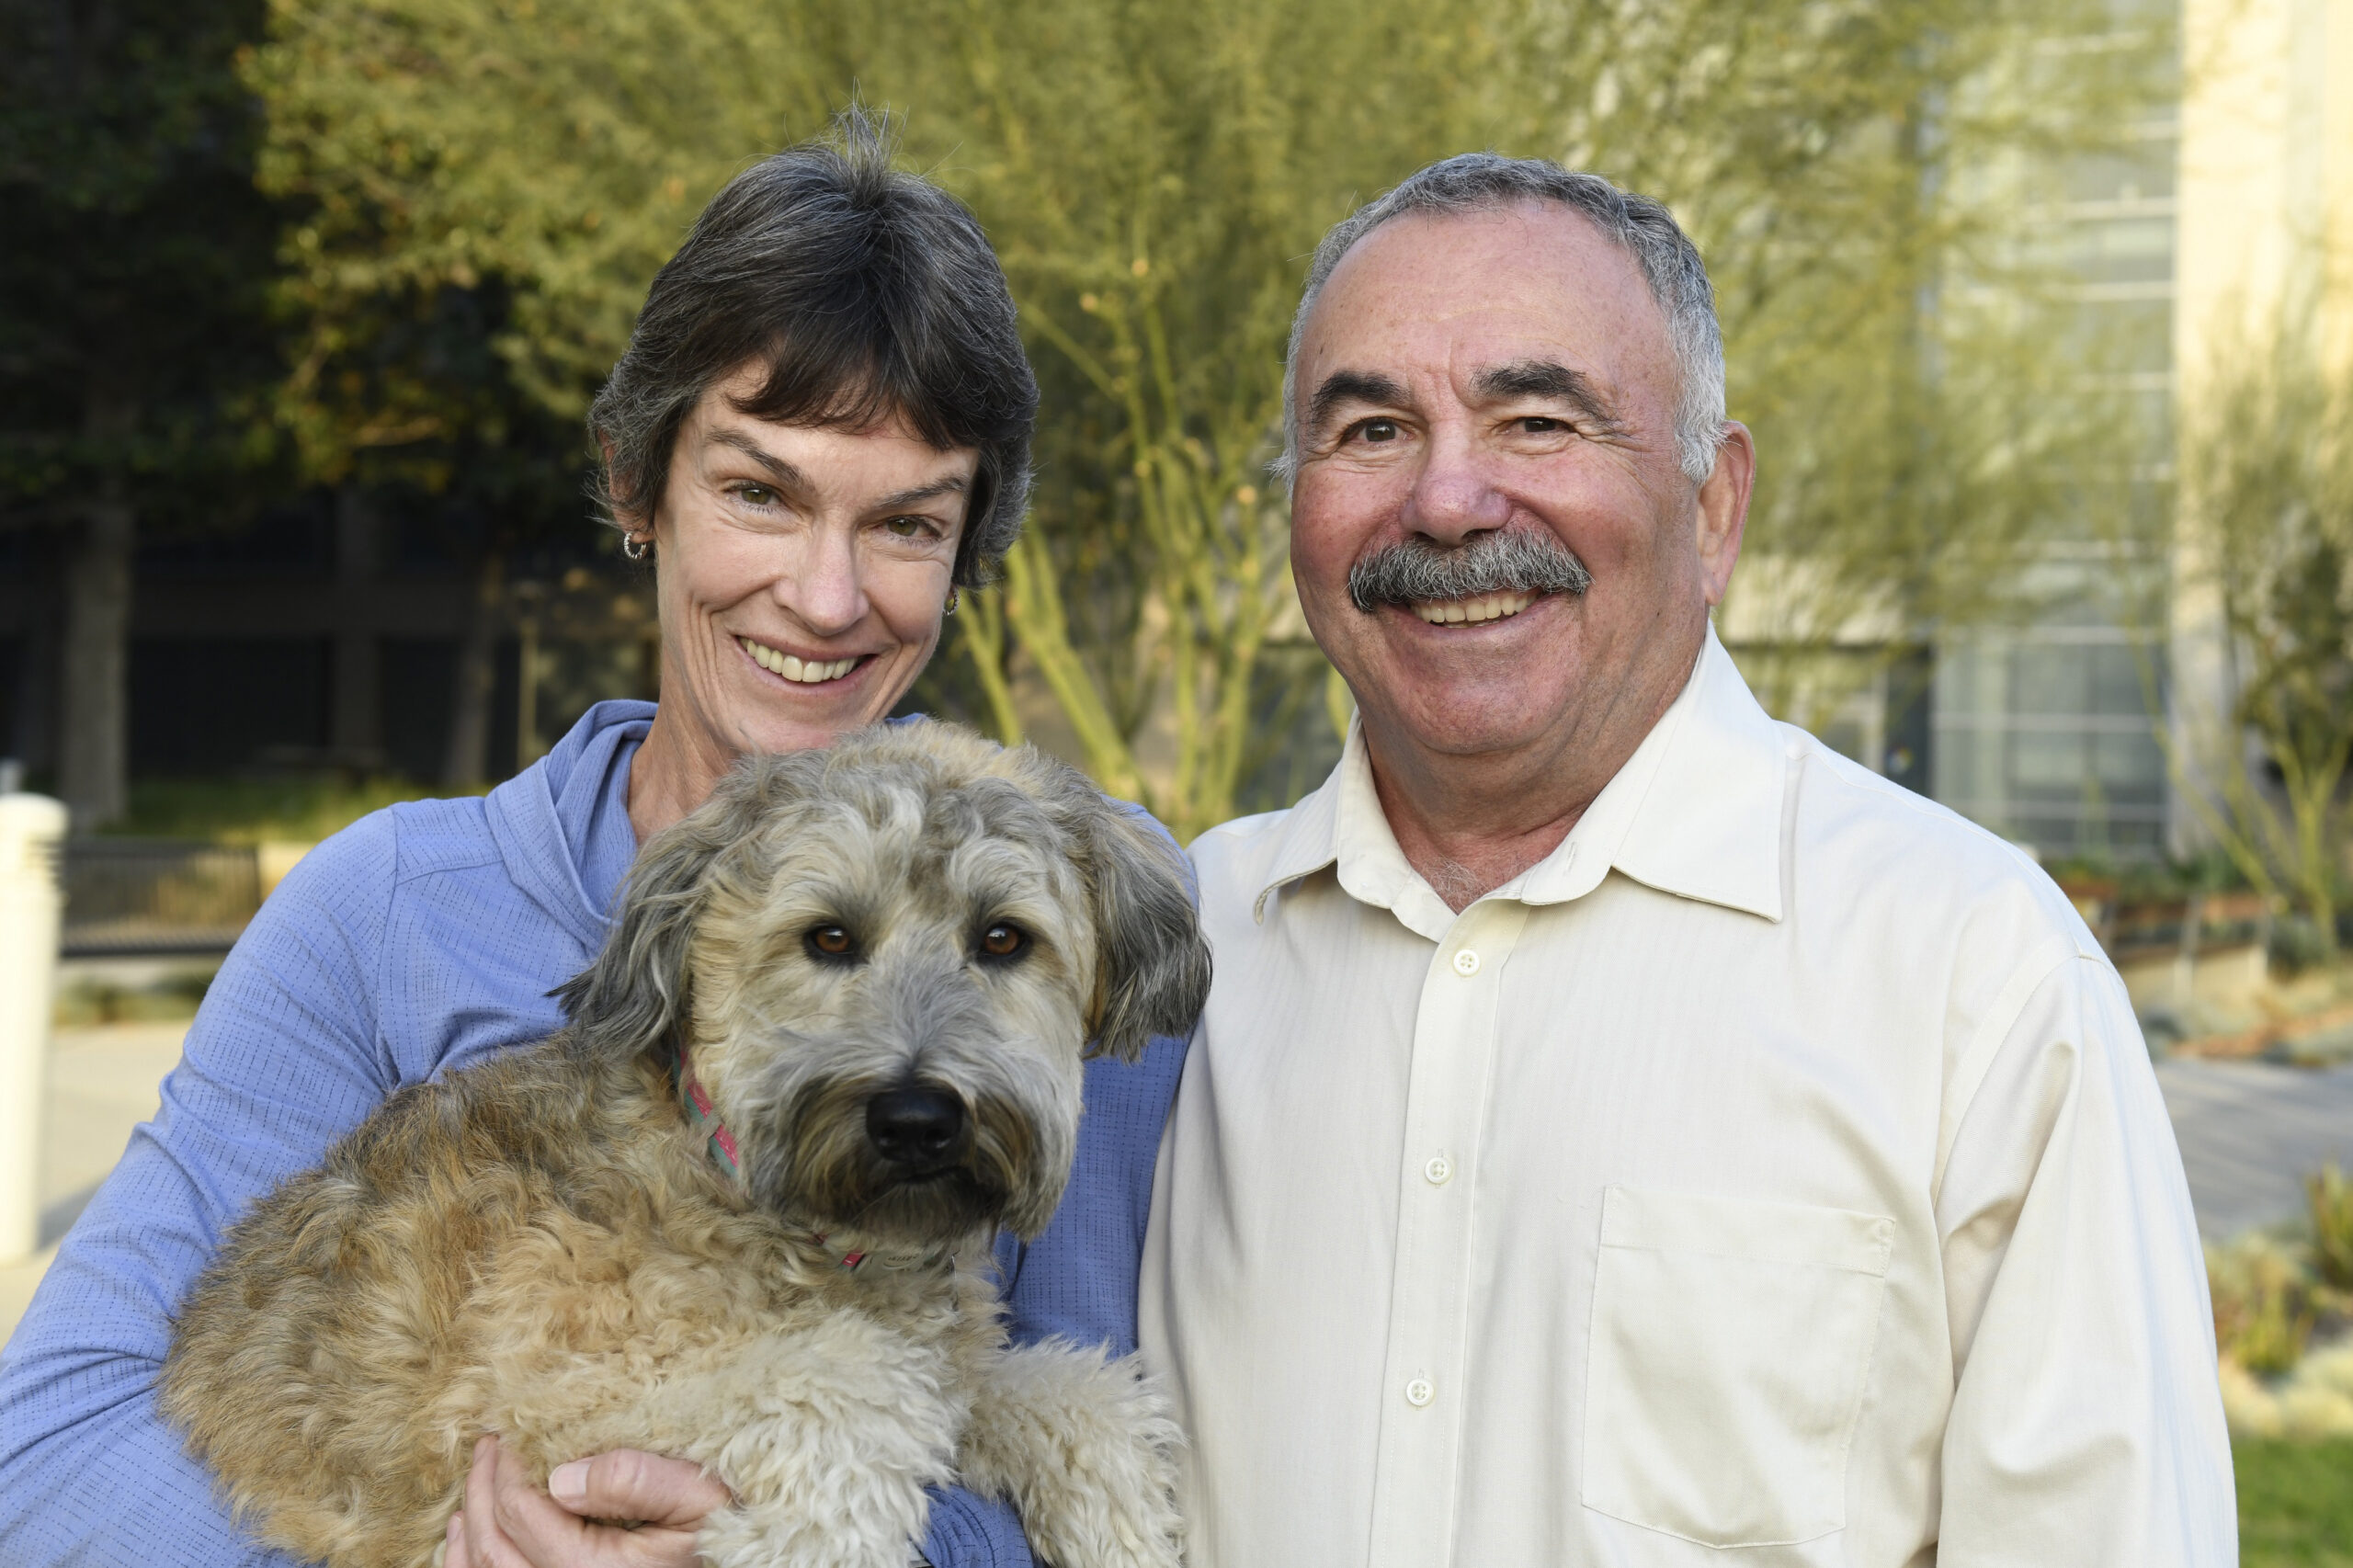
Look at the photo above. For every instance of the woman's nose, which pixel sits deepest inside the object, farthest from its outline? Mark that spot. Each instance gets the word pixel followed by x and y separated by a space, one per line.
pixel 826 591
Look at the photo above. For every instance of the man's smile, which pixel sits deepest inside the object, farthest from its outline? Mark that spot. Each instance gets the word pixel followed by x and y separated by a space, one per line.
pixel 1470 611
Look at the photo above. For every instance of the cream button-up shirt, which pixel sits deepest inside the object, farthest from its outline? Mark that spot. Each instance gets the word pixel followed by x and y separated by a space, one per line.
pixel 1772 1176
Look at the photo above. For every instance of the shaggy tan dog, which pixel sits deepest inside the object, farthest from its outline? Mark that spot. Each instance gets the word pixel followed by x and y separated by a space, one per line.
pixel 739 1209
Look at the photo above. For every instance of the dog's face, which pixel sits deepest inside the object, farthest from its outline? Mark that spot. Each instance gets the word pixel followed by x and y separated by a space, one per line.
pixel 889 959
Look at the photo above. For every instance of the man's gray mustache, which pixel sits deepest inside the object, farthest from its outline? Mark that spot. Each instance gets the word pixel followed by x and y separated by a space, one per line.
pixel 1489 564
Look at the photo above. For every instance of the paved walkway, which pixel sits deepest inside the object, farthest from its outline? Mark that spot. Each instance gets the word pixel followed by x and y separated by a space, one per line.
pixel 2248 1131
pixel 101 1084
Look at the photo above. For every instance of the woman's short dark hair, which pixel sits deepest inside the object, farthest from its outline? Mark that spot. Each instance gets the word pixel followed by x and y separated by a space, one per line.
pixel 867 292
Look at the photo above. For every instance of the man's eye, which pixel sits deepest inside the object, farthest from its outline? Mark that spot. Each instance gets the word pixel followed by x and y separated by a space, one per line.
pixel 1377 430
pixel 1539 425
pixel 831 943
pixel 1002 941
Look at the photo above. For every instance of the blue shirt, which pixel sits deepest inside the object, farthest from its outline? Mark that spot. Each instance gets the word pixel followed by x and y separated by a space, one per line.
pixel 420 939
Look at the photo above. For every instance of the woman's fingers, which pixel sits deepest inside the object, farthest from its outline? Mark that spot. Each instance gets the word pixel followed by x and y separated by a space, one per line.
pixel 508 1522
pixel 631 1484
pixel 479 1537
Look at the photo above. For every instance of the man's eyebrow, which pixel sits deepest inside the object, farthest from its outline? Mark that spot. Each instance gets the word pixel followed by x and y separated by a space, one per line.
pixel 1548 379
pixel 789 477
pixel 1342 386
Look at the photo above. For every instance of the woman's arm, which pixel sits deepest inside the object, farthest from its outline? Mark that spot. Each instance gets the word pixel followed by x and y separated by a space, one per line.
pixel 1078 1280
pixel 281 1060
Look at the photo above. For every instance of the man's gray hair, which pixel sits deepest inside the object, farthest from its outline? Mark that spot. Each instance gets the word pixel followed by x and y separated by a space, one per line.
pixel 1644 229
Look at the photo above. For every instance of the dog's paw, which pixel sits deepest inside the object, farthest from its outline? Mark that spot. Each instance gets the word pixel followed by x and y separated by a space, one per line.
pixel 1085 1448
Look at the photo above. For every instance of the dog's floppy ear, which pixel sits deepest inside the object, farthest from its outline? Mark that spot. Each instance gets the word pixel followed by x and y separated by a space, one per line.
pixel 1153 973
pixel 633 995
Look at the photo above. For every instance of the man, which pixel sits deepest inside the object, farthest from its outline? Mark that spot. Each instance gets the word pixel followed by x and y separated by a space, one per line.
pixel 1623 1132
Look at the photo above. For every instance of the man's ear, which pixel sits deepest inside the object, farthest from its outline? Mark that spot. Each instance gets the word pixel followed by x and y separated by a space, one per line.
pixel 1722 511
pixel 1152 963
pixel 636 994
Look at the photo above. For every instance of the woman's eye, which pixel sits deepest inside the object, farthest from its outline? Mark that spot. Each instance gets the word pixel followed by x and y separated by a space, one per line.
pixel 754 494
pixel 831 942
pixel 909 527
pixel 1002 942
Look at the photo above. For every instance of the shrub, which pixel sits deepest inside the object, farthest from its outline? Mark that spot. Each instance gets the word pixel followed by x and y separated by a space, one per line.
pixel 2330 1194
pixel 2263 1306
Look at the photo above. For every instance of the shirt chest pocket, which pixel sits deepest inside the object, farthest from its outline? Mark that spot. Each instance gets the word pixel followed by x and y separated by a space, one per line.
pixel 1730 1344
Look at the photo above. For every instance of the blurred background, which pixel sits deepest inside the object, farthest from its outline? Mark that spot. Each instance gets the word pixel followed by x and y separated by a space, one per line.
pixel 2042 314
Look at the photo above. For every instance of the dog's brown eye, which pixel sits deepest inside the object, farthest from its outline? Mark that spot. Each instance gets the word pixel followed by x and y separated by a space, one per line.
pixel 831 942
pixel 1002 942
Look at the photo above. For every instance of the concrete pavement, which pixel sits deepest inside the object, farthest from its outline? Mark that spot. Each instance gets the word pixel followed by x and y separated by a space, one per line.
pixel 102 1083
pixel 2250 1132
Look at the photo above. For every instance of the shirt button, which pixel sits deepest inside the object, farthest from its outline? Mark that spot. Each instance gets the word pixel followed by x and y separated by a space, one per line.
pixel 1420 1392
pixel 1466 962
pixel 1438 1170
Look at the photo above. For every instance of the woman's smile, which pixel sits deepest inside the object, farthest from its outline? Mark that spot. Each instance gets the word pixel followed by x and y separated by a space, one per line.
pixel 801 671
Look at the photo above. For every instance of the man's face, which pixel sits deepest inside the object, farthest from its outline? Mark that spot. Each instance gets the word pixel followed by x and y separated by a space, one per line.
pixel 1503 374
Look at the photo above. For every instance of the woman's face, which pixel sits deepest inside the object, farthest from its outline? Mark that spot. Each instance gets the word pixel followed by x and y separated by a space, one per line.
pixel 802 572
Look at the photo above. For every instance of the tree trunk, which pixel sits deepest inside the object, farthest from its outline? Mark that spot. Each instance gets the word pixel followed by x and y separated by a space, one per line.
pixel 467 763
pixel 95 717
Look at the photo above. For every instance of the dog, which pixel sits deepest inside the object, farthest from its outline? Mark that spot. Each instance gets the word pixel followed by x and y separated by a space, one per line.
pixel 740 1208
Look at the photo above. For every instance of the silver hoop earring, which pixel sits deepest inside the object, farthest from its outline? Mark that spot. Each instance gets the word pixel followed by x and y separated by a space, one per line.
pixel 637 549
pixel 954 594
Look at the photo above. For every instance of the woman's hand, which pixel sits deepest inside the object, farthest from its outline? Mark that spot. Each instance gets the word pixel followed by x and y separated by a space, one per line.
pixel 508 1522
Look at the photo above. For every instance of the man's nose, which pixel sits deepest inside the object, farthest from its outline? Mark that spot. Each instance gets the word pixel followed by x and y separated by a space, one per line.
pixel 1452 496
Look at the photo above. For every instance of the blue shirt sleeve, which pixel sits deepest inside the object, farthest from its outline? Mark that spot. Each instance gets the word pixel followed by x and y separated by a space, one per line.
pixel 281 1060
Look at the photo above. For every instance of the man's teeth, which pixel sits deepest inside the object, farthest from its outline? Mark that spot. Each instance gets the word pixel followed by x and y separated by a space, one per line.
pixel 790 668
pixel 1489 607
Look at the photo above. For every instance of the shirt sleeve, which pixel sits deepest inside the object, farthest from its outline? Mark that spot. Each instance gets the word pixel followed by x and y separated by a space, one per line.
pixel 280 1062
pixel 2086 1427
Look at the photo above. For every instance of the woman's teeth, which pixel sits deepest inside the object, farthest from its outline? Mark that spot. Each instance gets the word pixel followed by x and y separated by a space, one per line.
pixel 809 673
pixel 1490 606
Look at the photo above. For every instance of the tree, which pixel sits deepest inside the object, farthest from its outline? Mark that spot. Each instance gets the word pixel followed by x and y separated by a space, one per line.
pixel 2264 535
pixel 1154 176
pixel 135 332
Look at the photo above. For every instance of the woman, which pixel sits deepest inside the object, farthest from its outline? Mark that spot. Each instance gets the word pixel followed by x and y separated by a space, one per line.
pixel 819 435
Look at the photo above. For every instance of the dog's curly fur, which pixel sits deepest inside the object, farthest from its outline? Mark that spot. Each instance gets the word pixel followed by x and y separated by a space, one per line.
pixel 540 1247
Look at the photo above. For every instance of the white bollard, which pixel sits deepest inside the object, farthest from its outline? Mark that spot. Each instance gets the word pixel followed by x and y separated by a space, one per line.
pixel 32 831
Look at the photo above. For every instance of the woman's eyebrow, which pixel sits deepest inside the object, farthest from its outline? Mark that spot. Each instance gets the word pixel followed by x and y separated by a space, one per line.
pixel 786 475
pixel 1546 379
pixel 916 495
pixel 1343 387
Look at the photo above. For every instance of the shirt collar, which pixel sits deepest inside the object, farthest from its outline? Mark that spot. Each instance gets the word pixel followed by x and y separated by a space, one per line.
pixel 1694 812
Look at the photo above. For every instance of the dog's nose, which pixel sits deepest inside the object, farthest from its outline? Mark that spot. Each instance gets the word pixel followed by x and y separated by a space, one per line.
pixel 916 1128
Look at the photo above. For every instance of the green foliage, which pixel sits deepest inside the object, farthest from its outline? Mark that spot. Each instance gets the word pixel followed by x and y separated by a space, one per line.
pixel 2263 1310
pixel 2329 1194
pixel 2267 580
pixel 86 1000
pixel 135 341
pixel 1155 176
pixel 241 810
pixel 2295 1503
